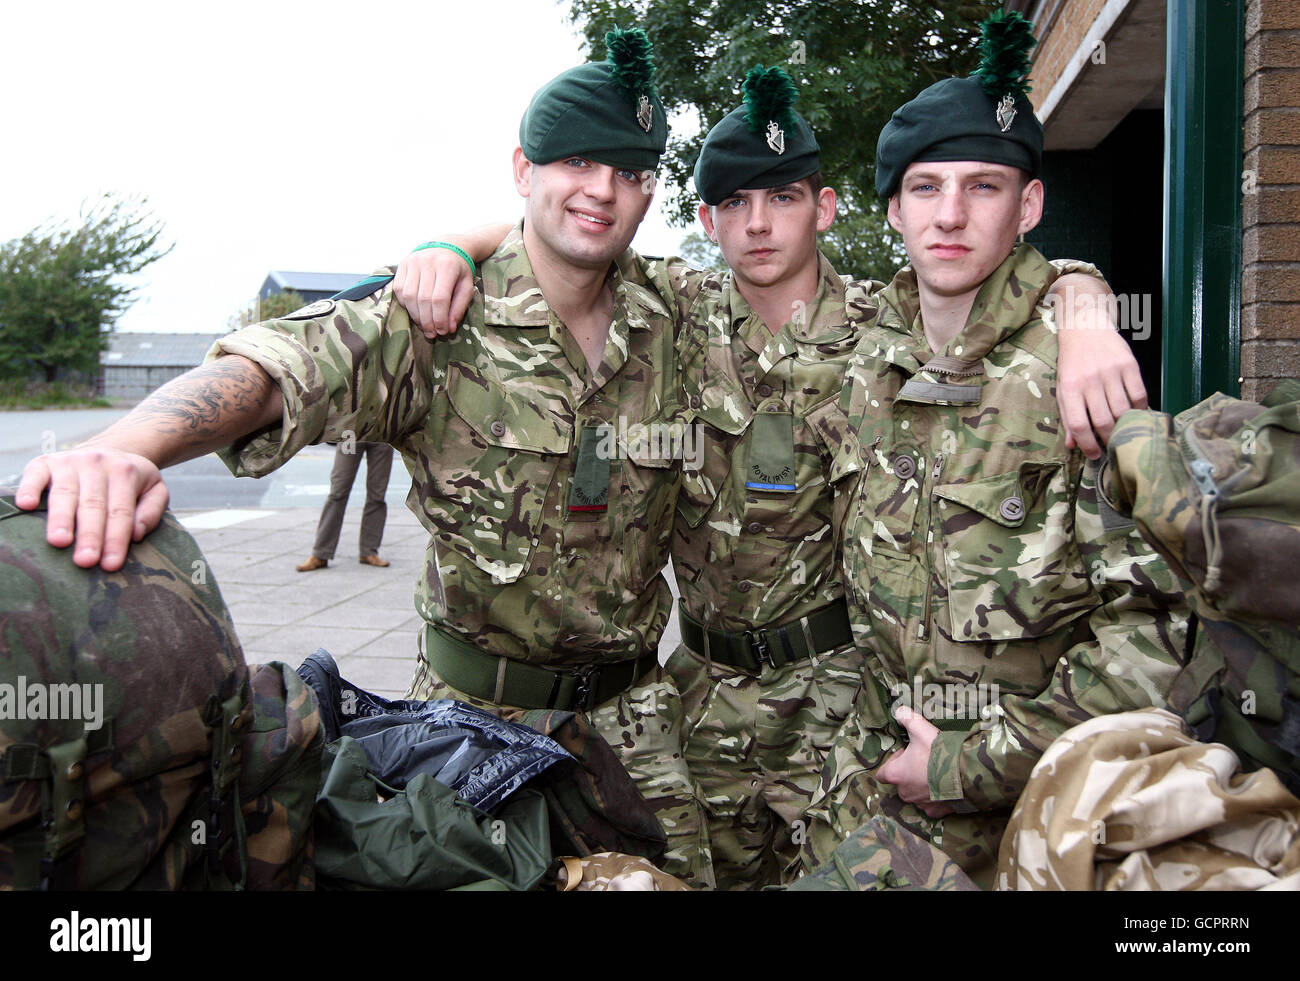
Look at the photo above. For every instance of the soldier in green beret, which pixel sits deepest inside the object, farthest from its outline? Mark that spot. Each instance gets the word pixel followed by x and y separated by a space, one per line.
pixel 542 585
pixel 768 669
pixel 997 600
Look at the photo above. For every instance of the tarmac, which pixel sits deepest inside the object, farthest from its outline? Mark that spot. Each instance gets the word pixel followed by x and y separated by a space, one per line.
pixel 362 615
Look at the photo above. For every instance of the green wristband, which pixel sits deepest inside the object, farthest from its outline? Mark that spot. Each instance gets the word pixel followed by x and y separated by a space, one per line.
pixel 447 245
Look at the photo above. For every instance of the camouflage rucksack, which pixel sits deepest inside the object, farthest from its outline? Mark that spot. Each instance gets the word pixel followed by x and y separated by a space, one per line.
pixel 137 750
pixel 1216 491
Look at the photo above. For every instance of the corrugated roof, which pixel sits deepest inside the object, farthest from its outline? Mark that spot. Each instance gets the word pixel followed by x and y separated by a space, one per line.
pixel 315 281
pixel 153 350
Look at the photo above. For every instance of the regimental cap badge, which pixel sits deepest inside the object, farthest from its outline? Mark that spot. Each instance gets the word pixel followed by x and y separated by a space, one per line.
pixel 1005 43
pixel 770 95
pixel 645 113
pixel 775 137
pixel 1006 112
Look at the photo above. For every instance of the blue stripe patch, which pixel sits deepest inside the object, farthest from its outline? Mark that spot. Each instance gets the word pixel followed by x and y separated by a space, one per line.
pixel 780 487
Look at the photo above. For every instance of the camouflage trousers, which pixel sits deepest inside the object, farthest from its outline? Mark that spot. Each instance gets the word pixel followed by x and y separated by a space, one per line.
pixel 850 796
pixel 756 746
pixel 643 725
pixel 1133 801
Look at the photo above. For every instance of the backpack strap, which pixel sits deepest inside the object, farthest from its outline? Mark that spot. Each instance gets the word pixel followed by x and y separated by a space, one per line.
pixel 225 820
pixel 46 857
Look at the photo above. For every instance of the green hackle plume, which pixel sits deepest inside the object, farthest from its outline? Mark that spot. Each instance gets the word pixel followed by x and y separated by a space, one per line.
pixel 770 94
pixel 1006 40
pixel 631 61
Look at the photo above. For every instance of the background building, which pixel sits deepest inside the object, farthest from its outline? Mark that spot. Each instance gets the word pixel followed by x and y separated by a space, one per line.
pixel 311 286
pixel 1172 139
pixel 136 364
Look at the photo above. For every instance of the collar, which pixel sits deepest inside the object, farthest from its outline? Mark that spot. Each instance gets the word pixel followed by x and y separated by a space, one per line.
pixel 1004 304
pixel 828 321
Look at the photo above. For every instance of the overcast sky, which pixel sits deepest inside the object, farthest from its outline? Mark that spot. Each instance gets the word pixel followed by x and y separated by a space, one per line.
pixel 324 136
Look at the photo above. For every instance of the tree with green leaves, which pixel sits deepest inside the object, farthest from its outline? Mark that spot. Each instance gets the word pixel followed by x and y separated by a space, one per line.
pixel 63 286
pixel 271 307
pixel 855 61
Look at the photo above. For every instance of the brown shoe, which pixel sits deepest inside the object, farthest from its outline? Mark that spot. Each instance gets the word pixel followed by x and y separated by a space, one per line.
pixel 374 560
pixel 312 564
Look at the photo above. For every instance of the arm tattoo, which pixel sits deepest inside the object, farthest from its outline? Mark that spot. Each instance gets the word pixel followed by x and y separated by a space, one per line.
pixel 207 402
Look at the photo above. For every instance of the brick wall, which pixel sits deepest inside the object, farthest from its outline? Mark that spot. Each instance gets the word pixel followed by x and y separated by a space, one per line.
pixel 1060 43
pixel 1270 287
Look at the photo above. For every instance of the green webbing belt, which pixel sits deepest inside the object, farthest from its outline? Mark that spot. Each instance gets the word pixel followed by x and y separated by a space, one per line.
pixel 819 632
pixel 503 681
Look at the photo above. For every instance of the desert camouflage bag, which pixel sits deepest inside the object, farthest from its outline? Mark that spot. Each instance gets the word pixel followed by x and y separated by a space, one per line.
pixel 137 750
pixel 1216 491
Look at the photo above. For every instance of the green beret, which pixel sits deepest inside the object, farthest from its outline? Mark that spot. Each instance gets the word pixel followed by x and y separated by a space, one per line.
pixel 606 111
pixel 761 143
pixel 986 117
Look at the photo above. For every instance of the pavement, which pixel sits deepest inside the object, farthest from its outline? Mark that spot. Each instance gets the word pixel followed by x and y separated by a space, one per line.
pixel 364 616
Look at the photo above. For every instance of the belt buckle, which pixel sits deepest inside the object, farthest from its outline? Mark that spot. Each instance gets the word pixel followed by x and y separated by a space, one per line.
pixel 758 644
pixel 585 693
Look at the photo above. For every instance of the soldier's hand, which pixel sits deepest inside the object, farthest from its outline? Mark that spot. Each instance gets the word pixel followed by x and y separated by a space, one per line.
pixel 435 287
pixel 1098 379
pixel 101 497
pixel 908 770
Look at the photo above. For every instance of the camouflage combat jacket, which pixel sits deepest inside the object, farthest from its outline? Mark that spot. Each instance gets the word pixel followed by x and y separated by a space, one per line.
pixel 754 542
pixel 527 557
pixel 975 556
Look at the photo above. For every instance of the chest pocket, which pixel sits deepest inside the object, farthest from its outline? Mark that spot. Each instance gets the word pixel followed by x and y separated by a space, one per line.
pixel 646 500
pixel 1013 571
pixel 717 434
pixel 491 468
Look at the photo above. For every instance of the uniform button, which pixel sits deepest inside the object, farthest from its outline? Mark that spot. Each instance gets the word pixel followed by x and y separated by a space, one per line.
pixel 498 429
pixel 696 402
pixel 764 390
pixel 1013 509
pixel 755 527
pixel 75 771
pixel 904 466
pixel 744 587
pixel 74 810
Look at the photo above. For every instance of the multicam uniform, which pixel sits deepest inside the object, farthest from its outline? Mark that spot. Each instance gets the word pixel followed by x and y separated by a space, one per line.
pixel 976 555
pixel 767 670
pixel 542 584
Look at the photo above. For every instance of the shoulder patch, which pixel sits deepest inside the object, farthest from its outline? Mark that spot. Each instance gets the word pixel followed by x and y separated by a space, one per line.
pixel 371 284
pixel 312 311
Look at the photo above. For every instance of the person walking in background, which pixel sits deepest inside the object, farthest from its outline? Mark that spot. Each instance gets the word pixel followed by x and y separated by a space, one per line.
pixel 347 458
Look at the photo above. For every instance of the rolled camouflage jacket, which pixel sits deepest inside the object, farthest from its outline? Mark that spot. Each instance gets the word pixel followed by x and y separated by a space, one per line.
pixel 984 586
pixel 547 490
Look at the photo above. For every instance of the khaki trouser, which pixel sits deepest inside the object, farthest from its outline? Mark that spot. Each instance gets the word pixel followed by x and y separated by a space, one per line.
pixel 755 746
pixel 379 461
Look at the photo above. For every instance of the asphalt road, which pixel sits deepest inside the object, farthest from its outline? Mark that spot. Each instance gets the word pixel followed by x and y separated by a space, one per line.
pixel 201 483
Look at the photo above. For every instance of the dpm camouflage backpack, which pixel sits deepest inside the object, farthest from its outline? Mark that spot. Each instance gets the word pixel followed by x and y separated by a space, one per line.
pixel 1216 491
pixel 137 750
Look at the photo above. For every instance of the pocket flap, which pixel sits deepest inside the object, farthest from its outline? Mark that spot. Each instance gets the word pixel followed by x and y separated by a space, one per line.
pixel 1004 498
pixel 505 418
